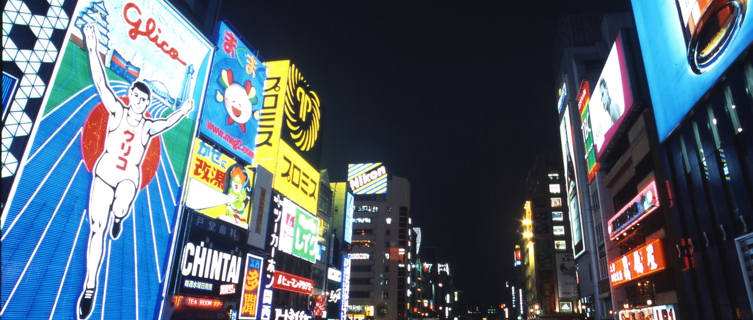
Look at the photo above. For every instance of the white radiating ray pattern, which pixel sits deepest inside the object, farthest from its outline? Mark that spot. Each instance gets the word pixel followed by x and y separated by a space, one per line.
pixel 49 208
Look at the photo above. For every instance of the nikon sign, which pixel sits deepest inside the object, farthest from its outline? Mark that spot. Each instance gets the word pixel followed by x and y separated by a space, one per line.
pixel 367 178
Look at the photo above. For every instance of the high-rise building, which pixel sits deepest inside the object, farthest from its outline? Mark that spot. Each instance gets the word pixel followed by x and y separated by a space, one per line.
pixel 583 43
pixel 547 261
pixel 380 243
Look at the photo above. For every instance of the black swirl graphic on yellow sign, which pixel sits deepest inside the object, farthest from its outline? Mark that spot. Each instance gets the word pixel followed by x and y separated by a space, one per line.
pixel 302 114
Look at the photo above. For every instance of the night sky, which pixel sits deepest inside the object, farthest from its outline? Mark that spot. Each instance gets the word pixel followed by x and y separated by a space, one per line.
pixel 458 98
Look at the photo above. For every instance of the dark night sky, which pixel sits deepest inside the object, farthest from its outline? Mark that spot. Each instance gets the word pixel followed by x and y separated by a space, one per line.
pixel 457 98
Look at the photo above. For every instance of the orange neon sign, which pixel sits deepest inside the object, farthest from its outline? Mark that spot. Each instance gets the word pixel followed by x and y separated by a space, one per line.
pixel 638 263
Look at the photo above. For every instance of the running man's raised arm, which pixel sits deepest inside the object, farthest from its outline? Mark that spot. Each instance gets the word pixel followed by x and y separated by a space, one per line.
pixel 160 125
pixel 99 78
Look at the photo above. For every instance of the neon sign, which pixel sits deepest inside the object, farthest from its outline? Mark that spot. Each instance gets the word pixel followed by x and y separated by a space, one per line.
pixel 292 283
pixel 638 263
pixel 367 178
pixel 644 203
pixel 251 287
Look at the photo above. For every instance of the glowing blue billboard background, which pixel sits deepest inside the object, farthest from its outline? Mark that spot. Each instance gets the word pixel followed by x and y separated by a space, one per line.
pixel 674 84
pixel 350 206
pixel 234 95
pixel 121 61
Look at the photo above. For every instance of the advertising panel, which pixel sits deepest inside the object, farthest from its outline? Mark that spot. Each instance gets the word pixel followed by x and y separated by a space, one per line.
pixel 562 97
pixel 291 113
pixel 251 287
pixel 686 46
pixel 567 286
pixel 270 118
pixel 638 263
pixel 663 312
pixel 367 178
pixel 571 185
pixel 219 186
pixel 261 199
pixel 303 117
pixel 232 106
pixel 296 178
pixel 612 97
pixel 292 283
pixel 209 262
pixel 345 292
pixel 584 96
pixel 644 203
pixel 350 206
pixel 299 232
pixel 275 222
pixel 93 207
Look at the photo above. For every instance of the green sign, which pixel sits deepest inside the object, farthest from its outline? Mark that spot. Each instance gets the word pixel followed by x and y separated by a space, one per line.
pixel 306 235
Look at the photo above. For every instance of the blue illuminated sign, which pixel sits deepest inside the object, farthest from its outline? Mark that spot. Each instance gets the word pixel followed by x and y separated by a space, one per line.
pixel 682 60
pixel 91 216
pixel 234 95
pixel 349 208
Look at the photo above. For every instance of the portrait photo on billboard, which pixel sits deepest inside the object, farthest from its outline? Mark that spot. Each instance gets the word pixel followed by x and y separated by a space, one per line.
pixel 219 185
pixel 687 45
pixel 232 106
pixel 612 96
pixel 93 208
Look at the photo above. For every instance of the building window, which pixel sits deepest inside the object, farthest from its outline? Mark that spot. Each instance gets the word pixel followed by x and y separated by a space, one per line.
pixel 360 281
pixel 556 202
pixel 360 294
pixel 560 245
pixel 558 230
pixel 553 176
pixel 554 188
pixel 385 295
pixel 558 216
pixel 360 268
pixel 388 220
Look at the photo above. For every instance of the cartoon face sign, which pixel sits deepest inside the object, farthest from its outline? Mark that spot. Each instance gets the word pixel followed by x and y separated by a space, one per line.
pixel 238 99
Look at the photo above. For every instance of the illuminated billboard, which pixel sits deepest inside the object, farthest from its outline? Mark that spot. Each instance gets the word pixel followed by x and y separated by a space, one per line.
pixel 299 232
pixel 567 138
pixel 218 186
pixel 232 106
pixel 612 97
pixel 93 207
pixel 367 178
pixel 584 96
pixel 345 292
pixel 562 97
pixel 642 261
pixel 662 312
pixel 292 283
pixel 291 113
pixel 210 268
pixel 251 287
pixel 350 206
pixel 296 178
pixel 686 46
pixel 644 203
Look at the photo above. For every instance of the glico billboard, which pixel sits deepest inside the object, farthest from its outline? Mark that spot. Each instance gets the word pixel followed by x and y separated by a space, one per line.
pixel 367 178
pixel 94 205
pixel 686 47
pixel 232 106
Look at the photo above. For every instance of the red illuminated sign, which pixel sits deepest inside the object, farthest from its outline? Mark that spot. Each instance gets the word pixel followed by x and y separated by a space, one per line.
pixel 639 262
pixel 194 302
pixel 293 283
pixel 644 203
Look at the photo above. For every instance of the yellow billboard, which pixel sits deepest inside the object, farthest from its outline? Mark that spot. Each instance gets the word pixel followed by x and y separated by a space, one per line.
pixel 296 178
pixel 270 121
pixel 291 113
pixel 219 186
